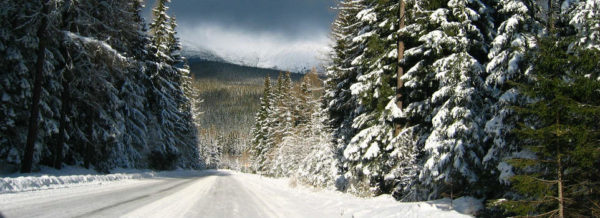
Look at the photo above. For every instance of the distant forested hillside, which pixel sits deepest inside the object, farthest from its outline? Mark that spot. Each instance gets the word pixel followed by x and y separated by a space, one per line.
pixel 204 69
pixel 231 97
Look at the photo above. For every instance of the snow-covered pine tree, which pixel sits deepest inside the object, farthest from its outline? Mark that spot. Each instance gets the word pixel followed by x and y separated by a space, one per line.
pixel 95 83
pixel 585 17
pixel 300 138
pixel 173 145
pixel 368 153
pixel 418 85
pixel 272 122
pixel 454 148
pixel 185 127
pixel 515 38
pixel 340 104
pixel 15 82
pixel 99 68
pixel 160 30
pixel 280 121
pixel 303 110
pixel 24 54
pixel 379 161
pixel 135 86
pixel 318 166
pixel 261 128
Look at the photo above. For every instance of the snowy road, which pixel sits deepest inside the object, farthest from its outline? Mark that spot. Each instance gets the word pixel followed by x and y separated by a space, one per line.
pixel 213 194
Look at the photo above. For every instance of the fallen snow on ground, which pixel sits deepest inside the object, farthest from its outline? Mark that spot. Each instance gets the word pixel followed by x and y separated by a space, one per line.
pixel 50 178
pixel 187 193
pixel 345 205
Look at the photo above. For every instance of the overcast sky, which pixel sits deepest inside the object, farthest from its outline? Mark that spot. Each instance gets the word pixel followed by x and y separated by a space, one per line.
pixel 282 33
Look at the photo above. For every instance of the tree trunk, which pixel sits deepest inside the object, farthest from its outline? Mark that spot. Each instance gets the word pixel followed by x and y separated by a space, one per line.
pixel 37 91
pixel 561 199
pixel 550 16
pixel 399 82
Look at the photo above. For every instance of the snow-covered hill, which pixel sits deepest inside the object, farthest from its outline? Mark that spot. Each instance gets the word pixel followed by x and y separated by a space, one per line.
pixel 285 58
pixel 202 53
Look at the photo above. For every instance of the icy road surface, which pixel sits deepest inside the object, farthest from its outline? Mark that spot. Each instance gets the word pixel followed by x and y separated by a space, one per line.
pixel 212 194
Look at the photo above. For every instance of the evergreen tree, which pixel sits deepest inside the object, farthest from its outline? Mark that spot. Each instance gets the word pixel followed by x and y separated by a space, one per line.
pixel 175 135
pixel 279 122
pixel 260 130
pixel 101 92
pixel 160 30
pixel 37 89
pixel 366 153
pixel 453 148
pixel 585 18
pixel 340 104
pixel 559 174
pixel 16 85
pixel 419 85
pixel 516 34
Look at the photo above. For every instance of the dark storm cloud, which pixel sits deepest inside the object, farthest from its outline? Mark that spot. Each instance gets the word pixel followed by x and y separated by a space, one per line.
pixel 288 34
pixel 293 18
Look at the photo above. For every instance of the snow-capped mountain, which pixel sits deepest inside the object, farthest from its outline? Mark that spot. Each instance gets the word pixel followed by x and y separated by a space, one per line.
pixel 285 59
pixel 201 53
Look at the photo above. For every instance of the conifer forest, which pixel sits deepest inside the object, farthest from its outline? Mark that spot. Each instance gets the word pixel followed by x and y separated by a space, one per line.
pixel 421 100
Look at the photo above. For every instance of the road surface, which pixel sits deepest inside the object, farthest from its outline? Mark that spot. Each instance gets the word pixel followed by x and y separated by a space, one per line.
pixel 212 194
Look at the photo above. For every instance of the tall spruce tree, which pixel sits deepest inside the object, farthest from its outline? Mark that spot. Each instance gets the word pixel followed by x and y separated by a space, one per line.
pixel 340 104
pixel 175 140
pixel 261 128
pixel 559 177
pixel 419 84
pixel 99 87
pixel 454 149
pixel 17 76
pixel 515 37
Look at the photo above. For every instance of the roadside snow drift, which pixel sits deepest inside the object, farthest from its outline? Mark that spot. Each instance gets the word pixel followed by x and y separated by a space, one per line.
pixel 50 178
pixel 209 193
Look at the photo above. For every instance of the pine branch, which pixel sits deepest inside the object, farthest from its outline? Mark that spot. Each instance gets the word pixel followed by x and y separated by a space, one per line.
pixel 549 214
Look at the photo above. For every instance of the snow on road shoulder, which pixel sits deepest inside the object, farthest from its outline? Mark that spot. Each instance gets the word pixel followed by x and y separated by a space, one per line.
pixel 49 178
pixel 345 205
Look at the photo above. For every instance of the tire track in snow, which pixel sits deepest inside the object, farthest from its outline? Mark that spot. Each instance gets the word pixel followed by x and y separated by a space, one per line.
pixel 176 204
pixel 121 203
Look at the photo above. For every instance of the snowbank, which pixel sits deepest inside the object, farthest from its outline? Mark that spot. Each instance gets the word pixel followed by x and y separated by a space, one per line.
pixel 328 201
pixel 49 178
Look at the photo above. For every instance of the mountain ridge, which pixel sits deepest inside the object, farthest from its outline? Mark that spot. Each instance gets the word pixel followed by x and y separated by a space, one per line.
pixel 195 52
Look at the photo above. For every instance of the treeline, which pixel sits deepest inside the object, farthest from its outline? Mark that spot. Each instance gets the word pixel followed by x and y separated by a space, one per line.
pixel 227 115
pixel 289 132
pixel 85 83
pixel 230 97
pixel 228 72
pixel 496 99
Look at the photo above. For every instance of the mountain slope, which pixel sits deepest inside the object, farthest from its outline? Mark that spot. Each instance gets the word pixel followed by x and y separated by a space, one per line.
pixel 231 96
pixel 223 71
